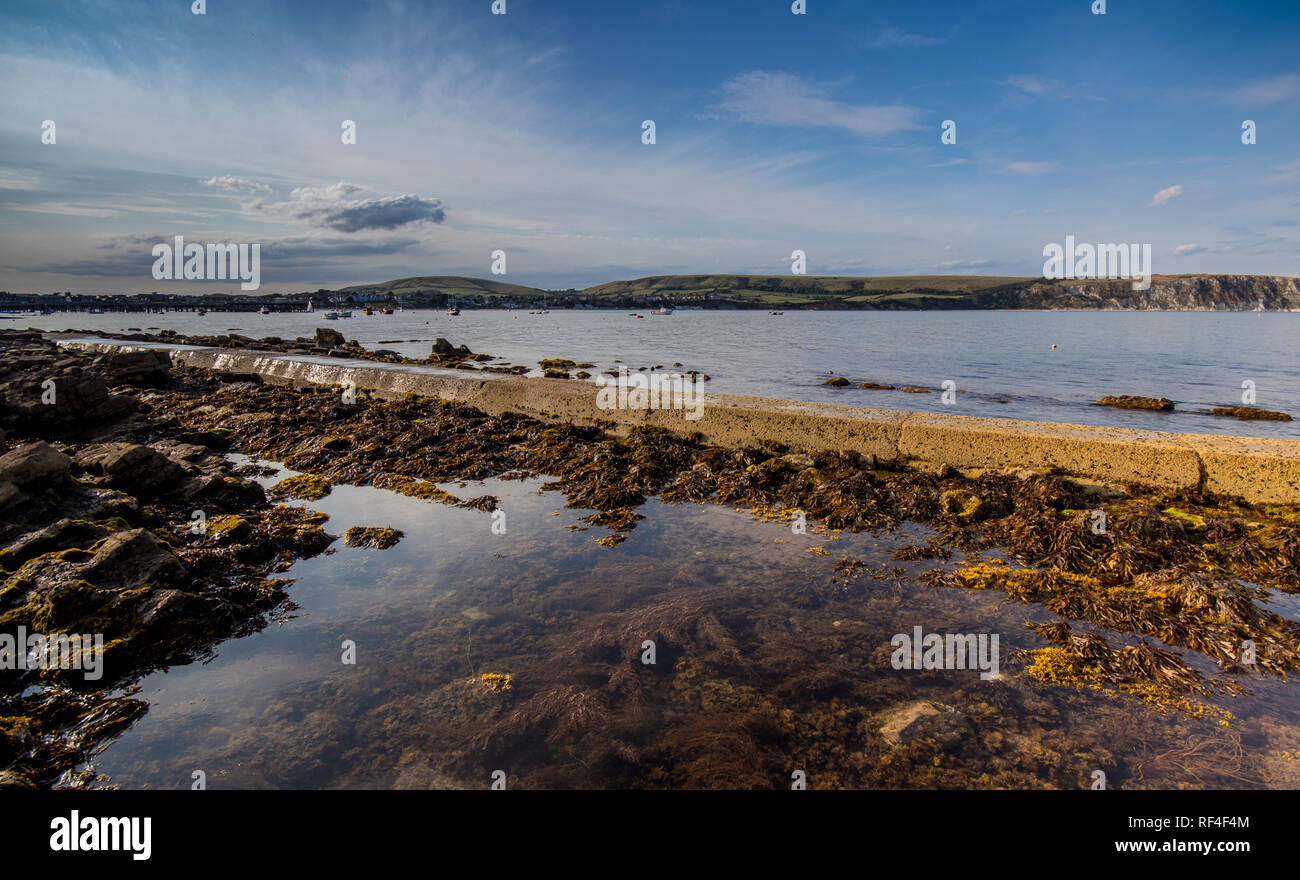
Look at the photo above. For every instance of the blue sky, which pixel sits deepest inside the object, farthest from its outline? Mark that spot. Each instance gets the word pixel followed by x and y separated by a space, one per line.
pixel 522 132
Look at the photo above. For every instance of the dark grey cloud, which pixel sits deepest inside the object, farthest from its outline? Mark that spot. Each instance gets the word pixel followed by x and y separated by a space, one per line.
pixel 387 213
pixel 130 255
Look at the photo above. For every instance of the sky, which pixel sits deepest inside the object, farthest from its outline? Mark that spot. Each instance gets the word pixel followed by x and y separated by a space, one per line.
pixel 523 133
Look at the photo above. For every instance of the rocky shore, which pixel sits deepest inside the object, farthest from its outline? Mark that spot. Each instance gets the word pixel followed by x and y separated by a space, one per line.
pixel 122 517
pixel 121 523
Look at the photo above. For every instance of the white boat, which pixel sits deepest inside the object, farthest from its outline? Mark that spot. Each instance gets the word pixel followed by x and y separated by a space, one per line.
pixel 264 311
pixel 310 307
pixel 345 314
pixel 331 316
pixel 663 310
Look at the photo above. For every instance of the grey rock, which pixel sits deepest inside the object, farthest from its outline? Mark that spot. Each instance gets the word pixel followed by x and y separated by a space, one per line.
pixel 32 463
pixel 132 467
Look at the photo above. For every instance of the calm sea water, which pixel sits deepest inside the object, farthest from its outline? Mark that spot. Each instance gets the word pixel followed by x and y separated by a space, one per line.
pixel 1003 363
pixel 566 618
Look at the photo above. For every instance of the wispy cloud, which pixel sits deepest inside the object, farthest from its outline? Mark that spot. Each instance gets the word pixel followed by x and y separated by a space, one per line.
pixel 1269 91
pixel 1184 250
pixel 963 264
pixel 1169 192
pixel 896 38
pixel 776 98
pixel 1288 172
pixel 1047 166
pixel 1029 84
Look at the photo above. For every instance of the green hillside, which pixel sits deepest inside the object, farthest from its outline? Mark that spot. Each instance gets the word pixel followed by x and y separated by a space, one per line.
pixel 905 291
pixel 449 285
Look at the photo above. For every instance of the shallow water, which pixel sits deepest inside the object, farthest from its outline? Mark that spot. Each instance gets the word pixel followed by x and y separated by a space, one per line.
pixel 767 663
pixel 1003 363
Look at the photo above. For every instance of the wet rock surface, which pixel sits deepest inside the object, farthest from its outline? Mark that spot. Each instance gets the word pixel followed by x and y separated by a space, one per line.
pixel 1130 401
pixel 1250 413
pixel 104 537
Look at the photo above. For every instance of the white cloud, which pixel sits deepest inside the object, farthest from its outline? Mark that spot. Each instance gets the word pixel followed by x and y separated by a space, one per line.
pixel 236 185
pixel 1048 166
pixel 1184 250
pixel 329 207
pixel 1030 84
pixel 1169 192
pixel 1269 91
pixel 785 99
pixel 895 38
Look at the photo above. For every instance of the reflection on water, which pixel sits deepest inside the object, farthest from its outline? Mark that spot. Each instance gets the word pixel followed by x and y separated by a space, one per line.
pixel 768 661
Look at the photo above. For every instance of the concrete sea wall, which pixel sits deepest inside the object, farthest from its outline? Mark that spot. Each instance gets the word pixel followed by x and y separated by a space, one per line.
pixel 1253 469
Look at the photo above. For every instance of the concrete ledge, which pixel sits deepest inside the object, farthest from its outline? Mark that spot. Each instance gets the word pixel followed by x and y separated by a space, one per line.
pixel 1253 469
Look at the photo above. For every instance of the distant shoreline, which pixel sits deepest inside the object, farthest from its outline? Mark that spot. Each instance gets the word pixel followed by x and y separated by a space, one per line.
pixel 735 292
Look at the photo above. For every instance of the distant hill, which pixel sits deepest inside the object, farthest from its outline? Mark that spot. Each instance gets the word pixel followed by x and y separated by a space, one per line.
pixel 912 292
pixel 1173 292
pixel 826 291
pixel 452 285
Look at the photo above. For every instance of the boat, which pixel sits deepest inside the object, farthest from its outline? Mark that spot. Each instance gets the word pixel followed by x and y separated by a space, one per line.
pixel 264 311
pixel 202 312
pixel 345 314
pixel 368 311
pixel 663 310
pixel 453 311
pixel 331 316
pixel 774 312
pixel 310 307
pixel 385 311
pixel 97 311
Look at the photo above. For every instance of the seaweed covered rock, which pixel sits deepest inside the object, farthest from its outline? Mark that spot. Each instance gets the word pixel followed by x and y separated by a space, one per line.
pixel 1250 413
pixel 372 537
pixel 1130 401
pixel 102 590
